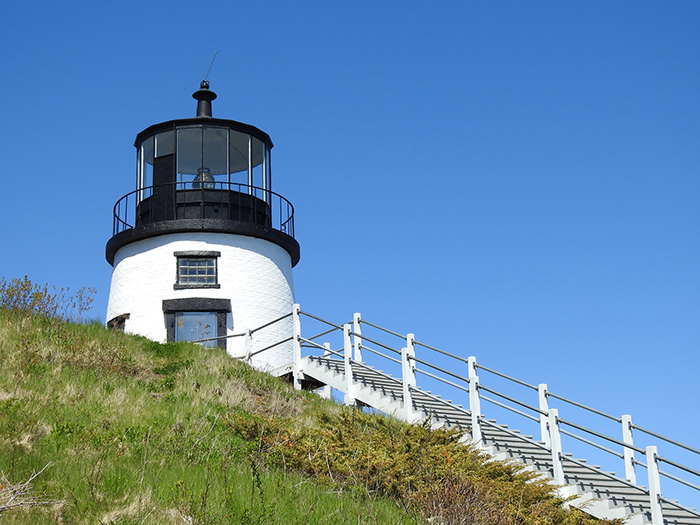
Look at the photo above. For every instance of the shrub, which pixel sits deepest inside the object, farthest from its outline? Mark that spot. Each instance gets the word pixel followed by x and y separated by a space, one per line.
pixel 22 297
pixel 429 472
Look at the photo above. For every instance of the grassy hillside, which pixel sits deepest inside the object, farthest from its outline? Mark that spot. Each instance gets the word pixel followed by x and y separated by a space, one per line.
pixel 128 431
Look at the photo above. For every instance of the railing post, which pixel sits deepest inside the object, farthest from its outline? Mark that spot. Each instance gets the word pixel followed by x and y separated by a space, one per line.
pixel 657 517
pixel 474 400
pixel 628 452
pixel 347 355
pixel 248 344
pixel 356 339
pixel 326 392
pixel 555 440
pixel 408 375
pixel 544 413
pixel 296 345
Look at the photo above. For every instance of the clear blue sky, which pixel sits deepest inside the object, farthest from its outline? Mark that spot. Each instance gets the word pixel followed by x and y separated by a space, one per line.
pixel 512 180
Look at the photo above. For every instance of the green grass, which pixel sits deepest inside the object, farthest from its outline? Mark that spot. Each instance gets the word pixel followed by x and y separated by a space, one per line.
pixel 135 432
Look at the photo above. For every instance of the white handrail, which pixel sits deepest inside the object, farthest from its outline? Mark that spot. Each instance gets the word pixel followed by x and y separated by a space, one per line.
pixel 355 339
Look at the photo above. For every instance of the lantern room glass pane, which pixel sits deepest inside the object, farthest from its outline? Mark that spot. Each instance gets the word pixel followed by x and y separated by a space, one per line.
pixel 258 152
pixel 238 157
pixel 215 154
pixel 139 169
pixel 189 153
pixel 165 143
pixel 266 170
pixel 146 163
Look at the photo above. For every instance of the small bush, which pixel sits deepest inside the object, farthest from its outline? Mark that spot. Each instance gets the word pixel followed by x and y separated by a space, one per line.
pixel 429 472
pixel 22 297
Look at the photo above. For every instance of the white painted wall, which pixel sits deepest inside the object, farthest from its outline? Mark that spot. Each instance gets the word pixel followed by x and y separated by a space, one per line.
pixel 256 275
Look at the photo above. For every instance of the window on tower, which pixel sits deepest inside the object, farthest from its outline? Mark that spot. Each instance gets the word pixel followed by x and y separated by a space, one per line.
pixel 199 319
pixel 196 269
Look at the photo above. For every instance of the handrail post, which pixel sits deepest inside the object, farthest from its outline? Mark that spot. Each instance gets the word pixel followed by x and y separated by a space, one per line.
pixel 296 345
pixel 474 400
pixel 356 339
pixel 657 517
pixel 248 344
pixel 326 392
pixel 347 355
pixel 555 440
pixel 544 411
pixel 408 375
pixel 628 452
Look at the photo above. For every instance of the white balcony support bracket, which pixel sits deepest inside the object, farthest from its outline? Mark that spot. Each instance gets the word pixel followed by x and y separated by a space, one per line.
pixel 657 517
pixel 474 400
pixel 555 440
pixel 408 369
pixel 296 345
pixel 347 354
pixel 356 339
pixel 628 453
pixel 544 411
pixel 326 390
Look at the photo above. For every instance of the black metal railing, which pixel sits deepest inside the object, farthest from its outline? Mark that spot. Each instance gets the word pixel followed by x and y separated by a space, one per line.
pixel 204 200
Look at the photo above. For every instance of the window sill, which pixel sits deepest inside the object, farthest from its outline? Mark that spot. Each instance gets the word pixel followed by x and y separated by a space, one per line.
pixel 194 286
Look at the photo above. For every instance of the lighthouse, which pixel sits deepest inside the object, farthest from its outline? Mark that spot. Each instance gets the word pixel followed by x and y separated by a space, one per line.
pixel 202 250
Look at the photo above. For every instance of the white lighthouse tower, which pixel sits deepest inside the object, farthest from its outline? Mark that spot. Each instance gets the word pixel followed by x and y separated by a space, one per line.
pixel 203 249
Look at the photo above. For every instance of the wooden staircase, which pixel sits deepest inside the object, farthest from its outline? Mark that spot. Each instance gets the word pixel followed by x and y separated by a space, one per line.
pixel 601 494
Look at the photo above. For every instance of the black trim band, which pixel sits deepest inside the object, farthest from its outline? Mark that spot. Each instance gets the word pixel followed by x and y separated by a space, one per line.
pixel 146 231
pixel 196 304
pixel 197 253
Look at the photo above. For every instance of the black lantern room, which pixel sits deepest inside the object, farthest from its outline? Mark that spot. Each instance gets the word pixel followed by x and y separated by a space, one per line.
pixel 203 174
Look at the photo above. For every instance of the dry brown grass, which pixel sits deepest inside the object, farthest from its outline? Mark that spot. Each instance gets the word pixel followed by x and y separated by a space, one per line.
pixel 138 507
pixel 462 502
